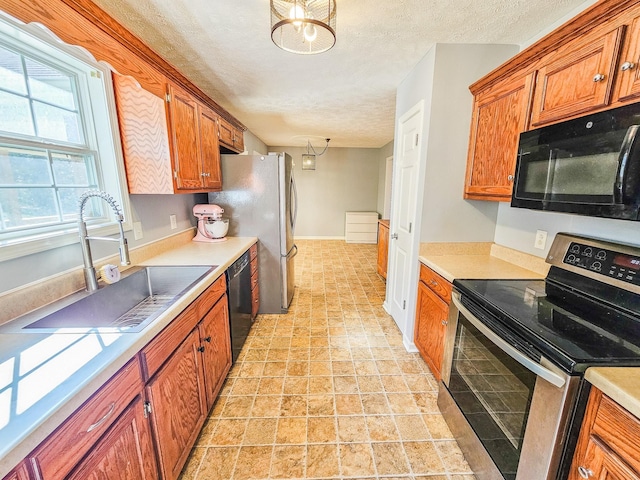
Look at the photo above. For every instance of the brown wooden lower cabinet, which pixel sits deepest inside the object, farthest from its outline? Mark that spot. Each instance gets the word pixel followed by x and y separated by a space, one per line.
pixel 125 451
pixel 383 247
pixel 432 311
pixel 607 448
pixel 134 430
pixel 178 406
pixel 255 287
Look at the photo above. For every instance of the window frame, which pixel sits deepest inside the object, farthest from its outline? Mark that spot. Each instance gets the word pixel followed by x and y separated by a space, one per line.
pixel 97 104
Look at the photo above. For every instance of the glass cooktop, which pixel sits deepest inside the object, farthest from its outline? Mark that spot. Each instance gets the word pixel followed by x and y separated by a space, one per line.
pixel 569 329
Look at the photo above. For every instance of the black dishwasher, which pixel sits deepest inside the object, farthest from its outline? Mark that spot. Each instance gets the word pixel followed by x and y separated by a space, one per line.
pixel 239 284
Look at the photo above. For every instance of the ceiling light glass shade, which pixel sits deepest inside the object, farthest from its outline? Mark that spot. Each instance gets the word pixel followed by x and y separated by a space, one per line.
pixel 303 26
pixel 308 161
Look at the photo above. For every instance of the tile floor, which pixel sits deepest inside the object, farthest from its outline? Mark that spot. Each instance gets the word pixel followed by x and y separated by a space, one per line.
pixel 328 391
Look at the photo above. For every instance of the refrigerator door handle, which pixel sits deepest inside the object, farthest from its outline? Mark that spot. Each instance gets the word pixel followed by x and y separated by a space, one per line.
pixel 294 196
pixel 291 253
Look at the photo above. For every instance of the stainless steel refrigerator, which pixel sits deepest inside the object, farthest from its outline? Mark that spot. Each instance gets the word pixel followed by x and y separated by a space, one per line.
pixel 260 200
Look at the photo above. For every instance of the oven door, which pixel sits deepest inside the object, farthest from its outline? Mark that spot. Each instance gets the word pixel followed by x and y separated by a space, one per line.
pixel 507 406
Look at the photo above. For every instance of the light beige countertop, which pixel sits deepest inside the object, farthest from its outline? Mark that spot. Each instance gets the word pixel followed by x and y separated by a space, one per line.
pixel 481 261
pixel 621 384
pixel 45 377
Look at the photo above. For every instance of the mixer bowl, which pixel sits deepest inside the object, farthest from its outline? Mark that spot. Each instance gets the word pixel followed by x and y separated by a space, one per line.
pixel 217 228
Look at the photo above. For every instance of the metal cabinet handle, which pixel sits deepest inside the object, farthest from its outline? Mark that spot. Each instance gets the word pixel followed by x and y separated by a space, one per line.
pixel 598 77
pixel 584 472
pixel 510 178
pixel 433 282
pixel 444 322
pixel 103 419
pixel 627 66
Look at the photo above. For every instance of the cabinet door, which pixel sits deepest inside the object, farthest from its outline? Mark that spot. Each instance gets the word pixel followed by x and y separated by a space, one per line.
pixel 431 321
pixel 178 406
pixel 578 78
pixel 629 65
pixel 226 133
pixel 210 150
pixel 383 249
pixel 145 137
pixel 216 348
pixel 18 473
pixel 183 114
pixel 124 452
pixel 602 463
pixel 499 116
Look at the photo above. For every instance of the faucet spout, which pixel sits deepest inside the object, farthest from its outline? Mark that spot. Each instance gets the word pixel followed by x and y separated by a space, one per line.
pixel 89 270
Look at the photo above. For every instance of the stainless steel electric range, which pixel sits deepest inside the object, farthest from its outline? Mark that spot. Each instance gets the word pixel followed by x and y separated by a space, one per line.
pixel 516 351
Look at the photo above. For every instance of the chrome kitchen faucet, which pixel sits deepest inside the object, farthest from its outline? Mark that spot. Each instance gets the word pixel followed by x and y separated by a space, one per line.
pixel 89 270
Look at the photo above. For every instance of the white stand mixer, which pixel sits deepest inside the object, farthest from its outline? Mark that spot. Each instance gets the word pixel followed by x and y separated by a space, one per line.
pixel 211 226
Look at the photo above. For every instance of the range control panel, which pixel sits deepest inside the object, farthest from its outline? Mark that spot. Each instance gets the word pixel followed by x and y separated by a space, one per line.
pixel 620 266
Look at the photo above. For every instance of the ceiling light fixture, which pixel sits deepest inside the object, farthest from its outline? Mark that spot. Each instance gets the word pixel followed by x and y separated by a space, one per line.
pixel 309 159
pixel 303 26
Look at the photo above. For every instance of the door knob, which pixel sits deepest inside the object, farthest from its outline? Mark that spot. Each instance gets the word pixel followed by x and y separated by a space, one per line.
pixel 394 236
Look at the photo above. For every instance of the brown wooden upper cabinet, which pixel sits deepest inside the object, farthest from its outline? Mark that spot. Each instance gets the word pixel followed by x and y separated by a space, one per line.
pixel 230 136
pixel 170 145
pixel 591 63
pixel 500 113
pixel 578 78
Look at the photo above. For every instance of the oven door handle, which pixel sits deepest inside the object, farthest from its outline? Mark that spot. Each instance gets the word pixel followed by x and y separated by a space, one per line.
pixel 514 353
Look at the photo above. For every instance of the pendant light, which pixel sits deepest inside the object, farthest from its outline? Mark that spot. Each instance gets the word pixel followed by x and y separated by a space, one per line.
pixel 303 26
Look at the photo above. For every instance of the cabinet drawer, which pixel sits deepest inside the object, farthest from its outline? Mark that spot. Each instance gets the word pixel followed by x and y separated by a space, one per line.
pixel 57 455
pixel 435 282
pixel 156 352
pixel 253 251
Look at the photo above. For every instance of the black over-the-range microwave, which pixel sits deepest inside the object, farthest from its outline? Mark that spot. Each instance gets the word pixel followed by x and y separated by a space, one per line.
pixel 589 166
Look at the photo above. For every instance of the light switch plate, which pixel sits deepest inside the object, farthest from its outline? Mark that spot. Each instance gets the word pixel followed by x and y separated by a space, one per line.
pixel 541 239
pixel 173 221
pixel 137 230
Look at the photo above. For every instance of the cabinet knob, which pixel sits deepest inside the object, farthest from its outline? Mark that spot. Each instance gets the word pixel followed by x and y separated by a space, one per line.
pixel 510 178
pixel 598 77
pixel 584 472
pixel 201 349
pixel 627 66
pixel 433 282
pixel 444 322
pixel 207 339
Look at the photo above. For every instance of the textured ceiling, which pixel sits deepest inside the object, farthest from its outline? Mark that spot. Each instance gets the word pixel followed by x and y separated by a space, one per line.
pixel 346 94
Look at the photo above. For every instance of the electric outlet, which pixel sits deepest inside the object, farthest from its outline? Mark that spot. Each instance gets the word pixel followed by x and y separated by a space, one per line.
pixel 137 230
pixel 174 223
pixel 541 239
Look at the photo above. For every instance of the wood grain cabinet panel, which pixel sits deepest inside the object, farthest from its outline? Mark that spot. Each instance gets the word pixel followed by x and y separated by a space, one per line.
pixel 431 323
pixel 577 79
pixel 178 406
pixel 383 249
pixel 628 89
pixel 18 473
pixel 215 348
pixel 209 150
pixel 499 115
pixel 607 447
pixel 57 455
pixel 124 452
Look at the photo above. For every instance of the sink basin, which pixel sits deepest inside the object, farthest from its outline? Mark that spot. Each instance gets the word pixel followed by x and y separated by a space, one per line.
pixel 126 306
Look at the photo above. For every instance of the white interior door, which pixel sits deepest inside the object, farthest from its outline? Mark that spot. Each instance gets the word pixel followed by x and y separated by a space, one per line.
pixel 403 235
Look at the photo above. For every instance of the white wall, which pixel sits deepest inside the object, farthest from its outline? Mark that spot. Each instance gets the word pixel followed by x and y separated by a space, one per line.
pixel 345 179
pixel 253 145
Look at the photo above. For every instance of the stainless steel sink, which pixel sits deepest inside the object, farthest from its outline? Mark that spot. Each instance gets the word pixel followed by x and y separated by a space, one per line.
pixel 126 306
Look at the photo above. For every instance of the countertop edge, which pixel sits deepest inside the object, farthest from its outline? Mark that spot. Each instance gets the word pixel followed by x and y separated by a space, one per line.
pixel 56 415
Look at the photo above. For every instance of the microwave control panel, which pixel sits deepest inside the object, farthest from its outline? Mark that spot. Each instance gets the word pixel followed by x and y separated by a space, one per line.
pixel 620 266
